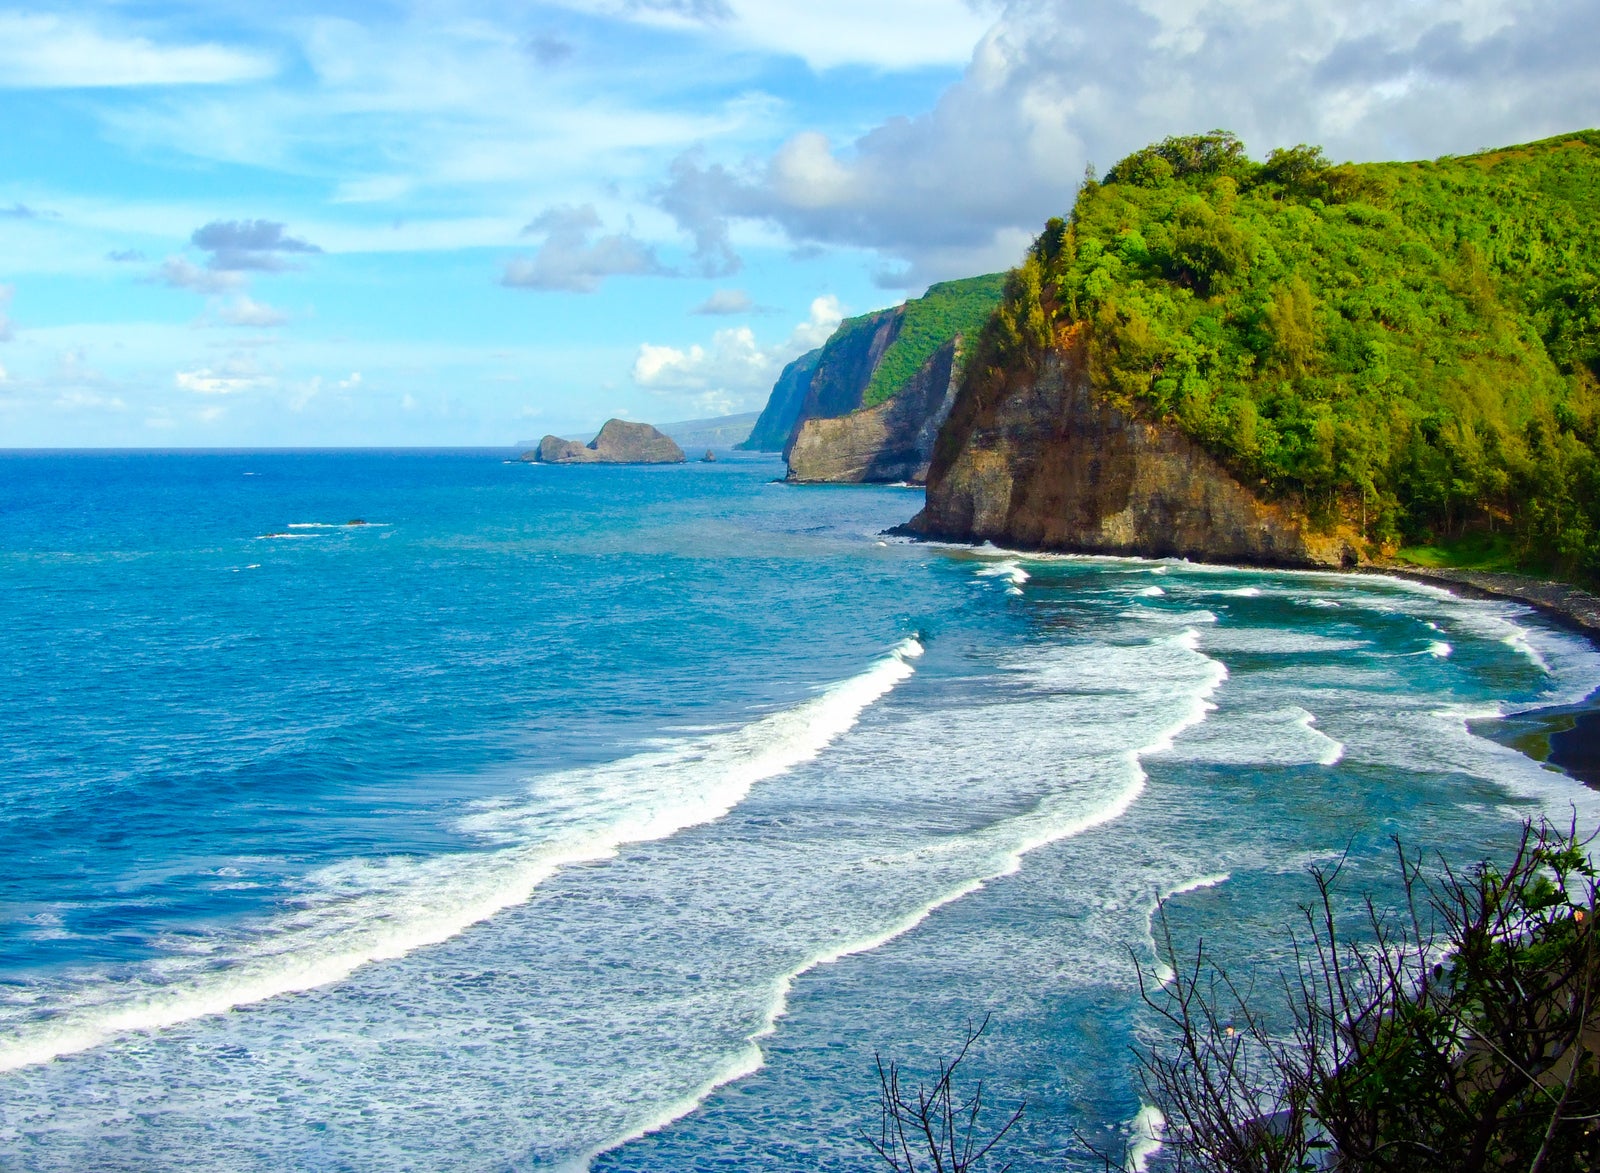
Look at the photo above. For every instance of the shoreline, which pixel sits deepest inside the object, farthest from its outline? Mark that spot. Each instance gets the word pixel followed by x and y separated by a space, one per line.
pixel 1561 737
pixel 1569 606
pixel 1564 736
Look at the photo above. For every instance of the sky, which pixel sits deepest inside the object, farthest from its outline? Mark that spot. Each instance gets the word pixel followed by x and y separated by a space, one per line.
pixel 449 223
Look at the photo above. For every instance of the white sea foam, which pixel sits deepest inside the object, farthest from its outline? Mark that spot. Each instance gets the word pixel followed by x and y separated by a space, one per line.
pixel 1437 647
pixel 1145 1131
pixel 1164 972
pixel 1151 592
pixel 361 912
pixel 1009 569
pixel 1248 592
pixel 1152 615
pixel 1332 750
pixel 1007 843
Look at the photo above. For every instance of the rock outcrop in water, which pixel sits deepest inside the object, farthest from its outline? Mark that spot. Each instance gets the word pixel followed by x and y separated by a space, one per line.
pixel 619 442
pixel 1046 464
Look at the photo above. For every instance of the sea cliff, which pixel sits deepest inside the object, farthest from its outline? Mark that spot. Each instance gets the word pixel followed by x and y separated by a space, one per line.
pixel 892 441
pixel 1046 464
pixel 1295 363
pixel 868 404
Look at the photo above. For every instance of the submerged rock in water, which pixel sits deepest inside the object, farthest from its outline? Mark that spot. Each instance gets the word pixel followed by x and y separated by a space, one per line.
pixel 619 442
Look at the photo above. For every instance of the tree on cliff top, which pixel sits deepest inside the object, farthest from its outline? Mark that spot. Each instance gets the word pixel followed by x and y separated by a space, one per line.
pixel 1408 349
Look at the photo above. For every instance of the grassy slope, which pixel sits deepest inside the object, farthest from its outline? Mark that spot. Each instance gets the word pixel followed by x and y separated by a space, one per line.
pixel 947 309
pixel 1409 349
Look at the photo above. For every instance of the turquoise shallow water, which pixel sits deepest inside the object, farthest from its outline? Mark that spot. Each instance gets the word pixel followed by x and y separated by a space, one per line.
pixel 619 815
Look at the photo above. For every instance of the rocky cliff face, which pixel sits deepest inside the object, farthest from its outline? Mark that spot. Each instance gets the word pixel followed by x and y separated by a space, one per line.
pixel 777 419
pixel 1045 465
pixel 890 442
pixel 619 442
pixel 845 367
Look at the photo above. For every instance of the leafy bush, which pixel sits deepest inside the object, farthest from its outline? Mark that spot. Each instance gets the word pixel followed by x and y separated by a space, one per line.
pixel 1459 1033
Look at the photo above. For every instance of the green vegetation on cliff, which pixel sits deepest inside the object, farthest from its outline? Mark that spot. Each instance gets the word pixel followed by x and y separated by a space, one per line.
pixel 946 310
pixel 1411 350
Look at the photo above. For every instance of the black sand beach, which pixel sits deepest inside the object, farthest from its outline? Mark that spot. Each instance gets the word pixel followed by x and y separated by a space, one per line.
pixel 1567 737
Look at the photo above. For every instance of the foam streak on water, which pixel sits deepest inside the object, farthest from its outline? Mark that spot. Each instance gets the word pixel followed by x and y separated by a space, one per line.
pixel 363 913
pixel 1186 694
pixel 589 824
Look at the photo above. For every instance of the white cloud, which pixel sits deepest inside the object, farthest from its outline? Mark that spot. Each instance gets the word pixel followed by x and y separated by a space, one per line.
pixel 246 311
pixel 569 260
pixel 726 301
pixel 48 50
pixel 185 274
pixel 7 331
pixel 1059 83
pixel 237 373
pixel 352 382
pixel 302 395
pixel 83 399
pixel 3 375
pixel 886 34
pixel 734 371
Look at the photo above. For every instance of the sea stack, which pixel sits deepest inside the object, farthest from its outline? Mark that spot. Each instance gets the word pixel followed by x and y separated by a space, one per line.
pixel 619 442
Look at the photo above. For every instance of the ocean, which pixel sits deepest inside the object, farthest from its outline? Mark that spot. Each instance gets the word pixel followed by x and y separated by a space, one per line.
pixel 619 817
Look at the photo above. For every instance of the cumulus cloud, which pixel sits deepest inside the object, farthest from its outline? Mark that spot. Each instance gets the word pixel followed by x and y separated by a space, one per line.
pixel 734 371
pixel 7 331
pixel 240 245
pixel 48 50
pixel 246 311
pixel 1056 84
pixel 726 301
pixel 237 373
pixel 569 260
pixel 181 273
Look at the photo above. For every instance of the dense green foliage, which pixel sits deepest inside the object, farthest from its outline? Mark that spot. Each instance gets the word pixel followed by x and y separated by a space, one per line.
pixel 1458 1032
pixel 946 310
pixel 1410 350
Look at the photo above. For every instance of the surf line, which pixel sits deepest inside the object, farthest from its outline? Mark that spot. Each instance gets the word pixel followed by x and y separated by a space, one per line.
pixel 750 1058
pixel 439 898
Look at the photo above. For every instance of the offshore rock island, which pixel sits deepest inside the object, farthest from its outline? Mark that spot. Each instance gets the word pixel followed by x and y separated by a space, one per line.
pixel 619 442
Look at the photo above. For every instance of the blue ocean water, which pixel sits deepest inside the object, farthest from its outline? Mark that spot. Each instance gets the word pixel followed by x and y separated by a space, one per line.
pixel 565 817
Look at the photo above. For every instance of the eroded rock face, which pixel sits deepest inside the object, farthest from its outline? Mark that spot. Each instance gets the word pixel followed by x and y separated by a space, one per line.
pixel 845 368
pixel 619 442
pixel 1046 466
pixel 777 419
pixel 891 442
